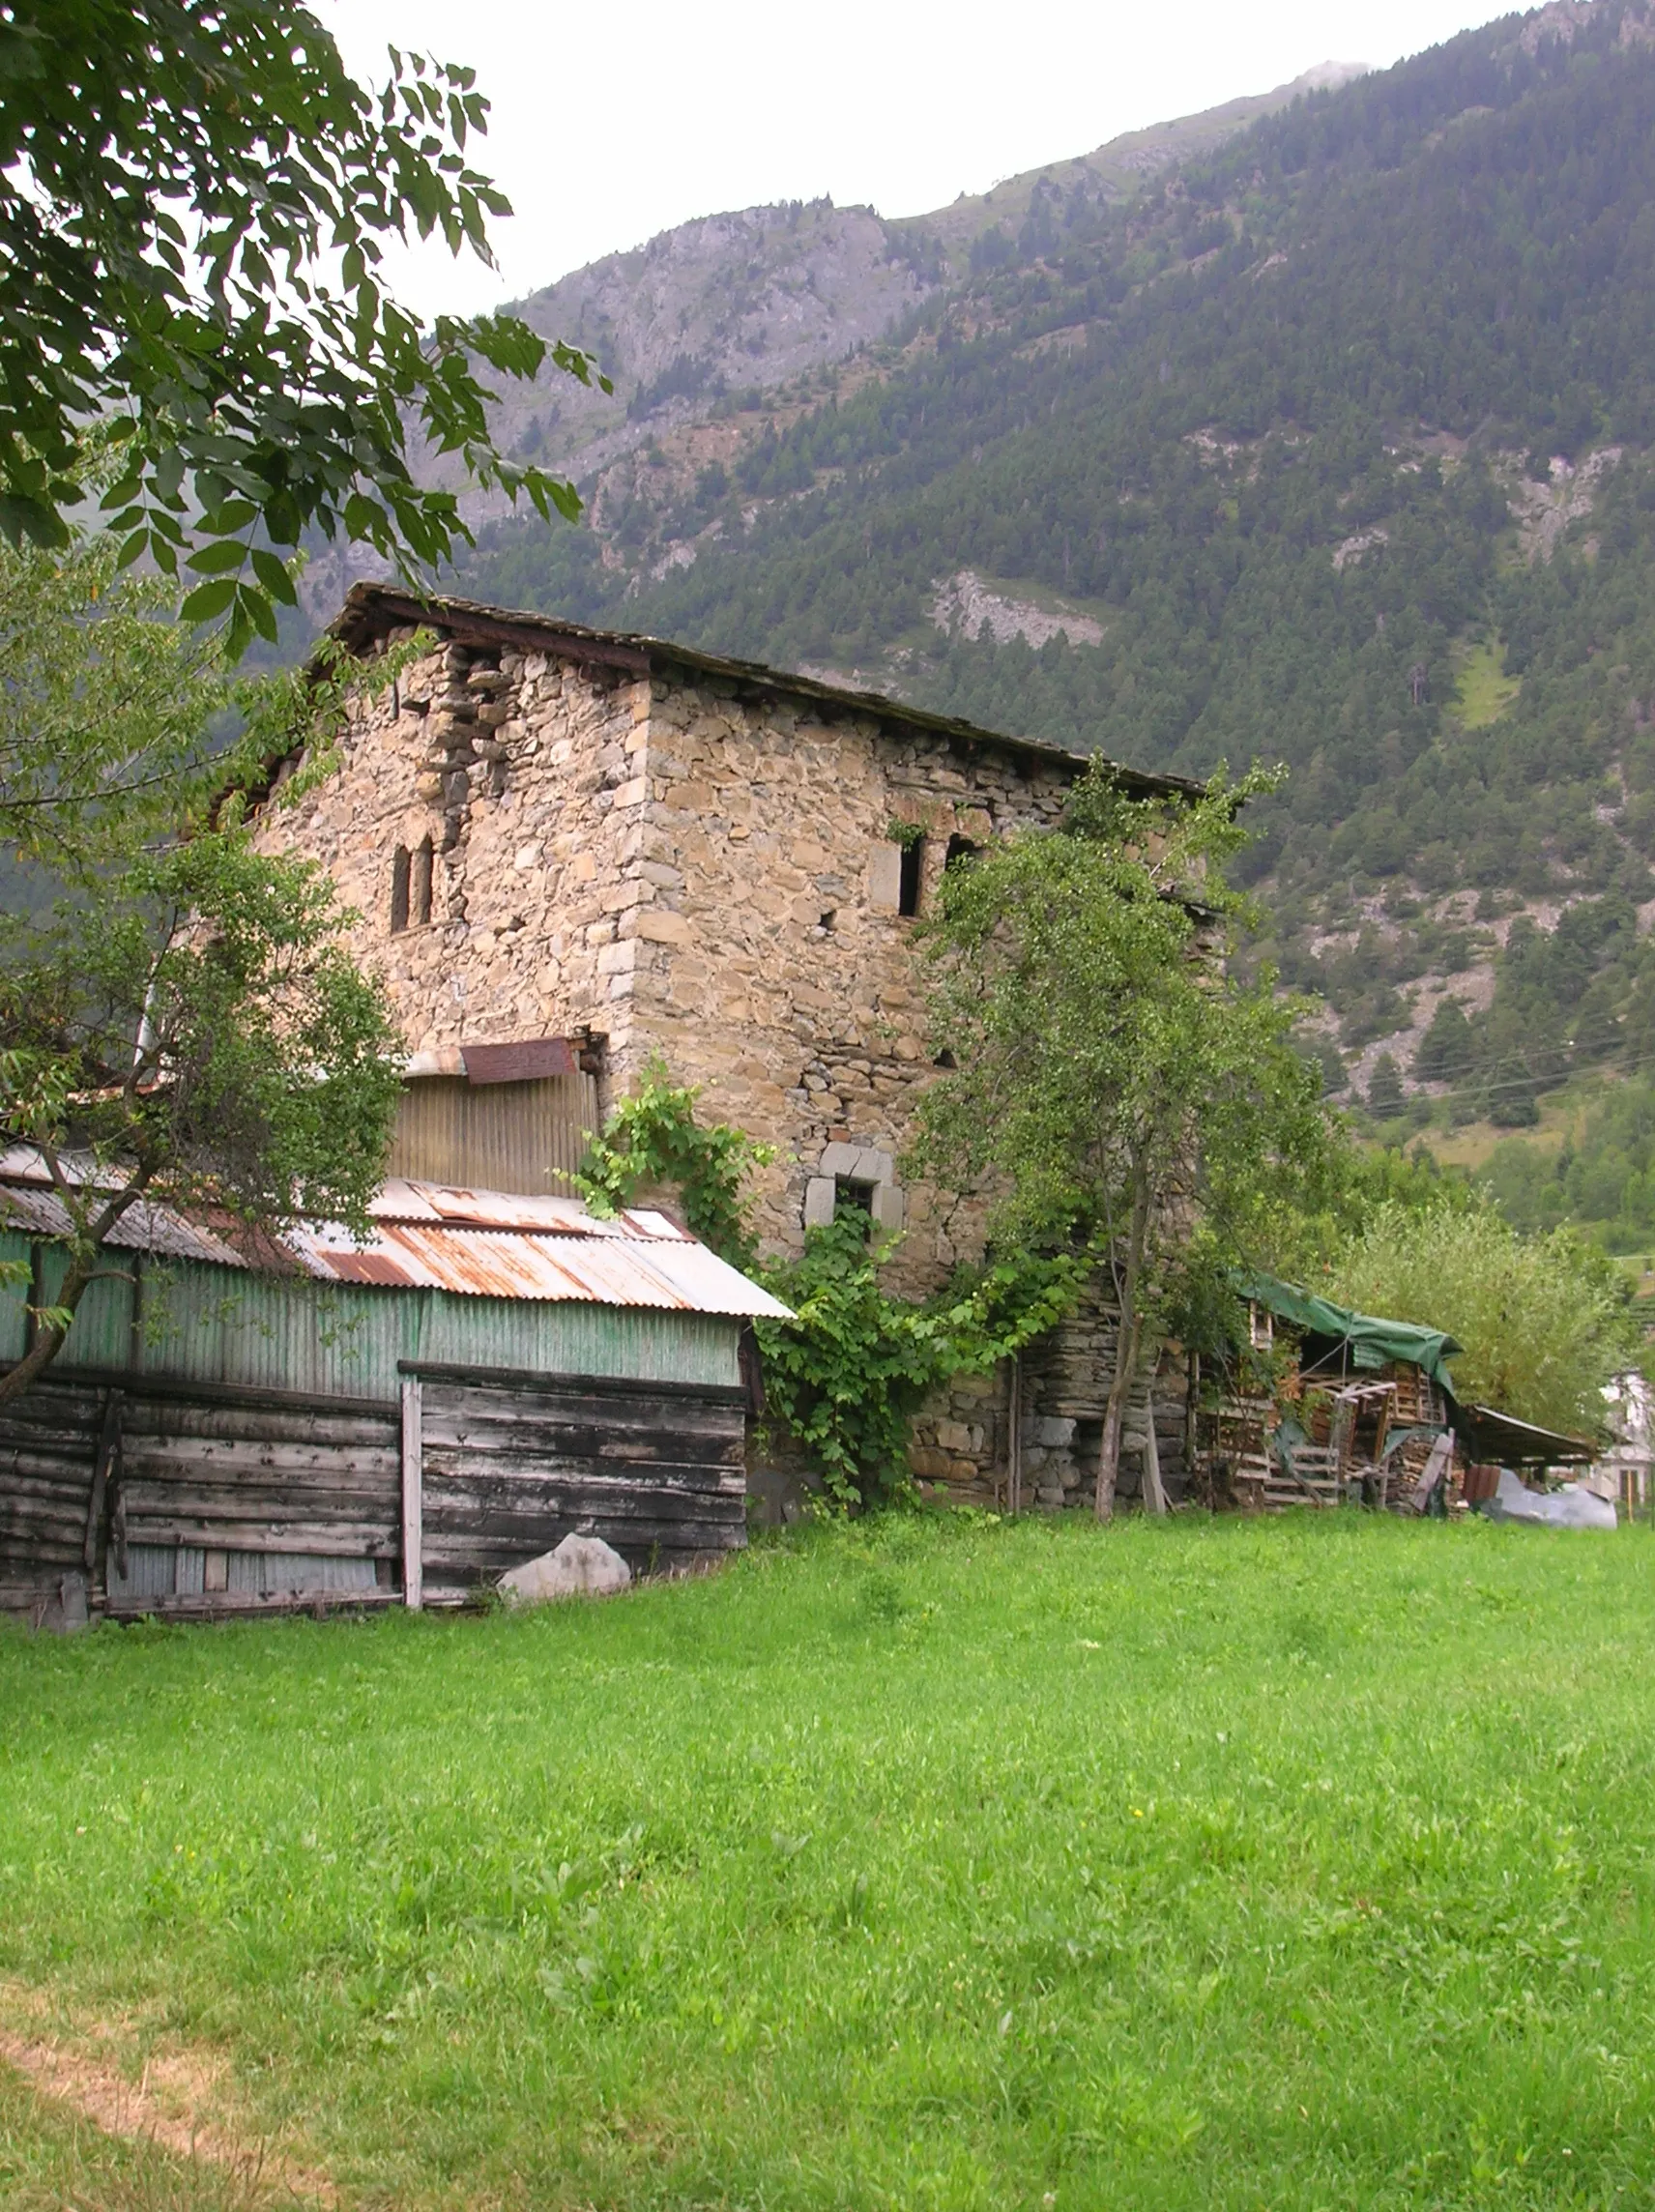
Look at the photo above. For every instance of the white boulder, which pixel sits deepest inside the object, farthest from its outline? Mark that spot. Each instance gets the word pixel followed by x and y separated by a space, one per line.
pixel 581 1567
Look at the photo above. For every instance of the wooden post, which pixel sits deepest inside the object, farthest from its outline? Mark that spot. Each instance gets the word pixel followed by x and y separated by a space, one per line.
pixel 1154 1496
pixel 108 1446
pixel 413 1497
pixel 1014 1436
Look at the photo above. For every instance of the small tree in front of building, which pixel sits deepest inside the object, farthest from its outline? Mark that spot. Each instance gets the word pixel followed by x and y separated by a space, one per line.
pixel 195 1033
pixel 1113 1082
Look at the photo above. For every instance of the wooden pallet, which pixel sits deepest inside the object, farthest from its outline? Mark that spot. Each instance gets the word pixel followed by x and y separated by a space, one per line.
pixel 1313 1479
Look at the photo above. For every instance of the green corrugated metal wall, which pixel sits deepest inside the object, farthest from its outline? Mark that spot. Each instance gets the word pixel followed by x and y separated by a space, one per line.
pixel 218 1325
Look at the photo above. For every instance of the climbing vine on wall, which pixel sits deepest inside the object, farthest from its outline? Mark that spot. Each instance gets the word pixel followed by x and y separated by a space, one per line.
pixel 845 1381
pixel 652 1136
pixel 845 1378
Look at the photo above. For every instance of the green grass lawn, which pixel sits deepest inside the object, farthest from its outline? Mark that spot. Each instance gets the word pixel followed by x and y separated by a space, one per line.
pixel 1295 1864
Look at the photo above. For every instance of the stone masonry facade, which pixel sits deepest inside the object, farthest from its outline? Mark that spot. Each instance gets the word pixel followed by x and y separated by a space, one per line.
pixel 662 855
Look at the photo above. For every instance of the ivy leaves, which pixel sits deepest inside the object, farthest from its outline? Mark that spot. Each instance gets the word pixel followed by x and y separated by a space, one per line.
pixel 845 1378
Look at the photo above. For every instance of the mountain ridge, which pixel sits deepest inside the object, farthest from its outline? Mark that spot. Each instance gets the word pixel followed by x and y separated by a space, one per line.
pixel 1331 443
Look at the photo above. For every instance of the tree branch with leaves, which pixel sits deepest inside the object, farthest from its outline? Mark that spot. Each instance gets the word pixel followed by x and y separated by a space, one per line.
pixel 197 198
pixel 194 1035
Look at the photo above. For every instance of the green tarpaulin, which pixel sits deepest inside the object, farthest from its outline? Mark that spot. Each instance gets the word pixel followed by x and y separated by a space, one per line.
pixel 1372 1343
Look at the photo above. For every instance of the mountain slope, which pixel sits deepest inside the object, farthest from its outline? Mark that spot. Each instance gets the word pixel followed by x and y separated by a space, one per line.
pixel 1330 444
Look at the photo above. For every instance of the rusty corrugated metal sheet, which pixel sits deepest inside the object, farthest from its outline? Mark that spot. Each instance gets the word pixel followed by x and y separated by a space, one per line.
pixel 33 1211
pixel 481 1244
pixel 459 1206
pixel 610 1268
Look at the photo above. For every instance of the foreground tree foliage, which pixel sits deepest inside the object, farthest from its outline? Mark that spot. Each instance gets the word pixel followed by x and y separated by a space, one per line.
pixel 186 1025
pixel 1113 1082
pixel 195 199
pixel 118 723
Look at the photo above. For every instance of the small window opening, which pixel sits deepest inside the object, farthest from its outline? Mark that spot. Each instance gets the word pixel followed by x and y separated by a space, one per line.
pixel 420 886
pixel 856 1197
pixel 827 921
pixel 913 875
pixel 399 874
pixel 945 1059
pixel 960 849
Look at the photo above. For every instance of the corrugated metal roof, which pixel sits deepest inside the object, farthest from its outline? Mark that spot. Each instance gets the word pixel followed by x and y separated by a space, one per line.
pixel 490 1243
pixel 427 1235
pixel 34 1211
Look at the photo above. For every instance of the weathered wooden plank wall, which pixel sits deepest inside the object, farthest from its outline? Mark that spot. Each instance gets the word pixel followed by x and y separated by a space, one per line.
pixel 179 1497
pixel 48 1457
pixel 189 1497
pixel 260 1473
pixel 512 1466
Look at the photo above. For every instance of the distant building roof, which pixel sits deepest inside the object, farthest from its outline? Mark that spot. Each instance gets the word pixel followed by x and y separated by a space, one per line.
pixel 427 1236
pixel 371 610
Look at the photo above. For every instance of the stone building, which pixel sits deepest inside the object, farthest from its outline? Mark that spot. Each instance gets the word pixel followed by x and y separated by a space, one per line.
pixel 571 851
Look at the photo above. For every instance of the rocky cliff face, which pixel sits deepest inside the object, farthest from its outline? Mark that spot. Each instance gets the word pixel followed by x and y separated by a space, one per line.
pixel 731 302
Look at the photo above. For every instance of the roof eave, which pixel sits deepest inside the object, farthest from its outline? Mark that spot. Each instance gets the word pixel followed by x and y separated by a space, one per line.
pixel 370 610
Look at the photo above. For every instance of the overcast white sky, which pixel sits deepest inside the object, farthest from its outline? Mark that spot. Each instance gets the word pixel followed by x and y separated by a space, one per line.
pixel 612 122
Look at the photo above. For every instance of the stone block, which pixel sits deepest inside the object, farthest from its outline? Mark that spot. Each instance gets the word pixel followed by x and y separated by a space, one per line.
pixel 634 793
pixel 928 1463
pixel 1054 1433
pixel 874 1166
pixel 657 926
pixel 888 1206
pixel 581 1567
pixel 884 878
pixel 840 1160
pixel 819 1196
pixel 953 1436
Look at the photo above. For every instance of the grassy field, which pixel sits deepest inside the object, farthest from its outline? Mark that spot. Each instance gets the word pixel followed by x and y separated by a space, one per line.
pixel 1295 1864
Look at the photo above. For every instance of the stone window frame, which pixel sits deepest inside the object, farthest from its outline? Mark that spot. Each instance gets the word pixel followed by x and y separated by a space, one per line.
pixel 869 1166
pixel 412 873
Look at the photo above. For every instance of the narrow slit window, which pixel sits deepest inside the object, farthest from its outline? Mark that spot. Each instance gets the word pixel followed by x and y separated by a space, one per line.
pixel 420 886
pixel 912 877
pixel 400 868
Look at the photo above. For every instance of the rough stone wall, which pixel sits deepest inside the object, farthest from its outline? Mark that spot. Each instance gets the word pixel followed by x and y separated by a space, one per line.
pixel 512 765
pixel 679 864
pixel 779 973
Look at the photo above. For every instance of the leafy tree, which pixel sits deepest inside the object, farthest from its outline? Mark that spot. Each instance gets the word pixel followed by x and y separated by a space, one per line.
pixel 1444 1054
pixel 195 201
pixel 116 723
pixel 1112 1079
pixel 194 1034
pixel 1545 1321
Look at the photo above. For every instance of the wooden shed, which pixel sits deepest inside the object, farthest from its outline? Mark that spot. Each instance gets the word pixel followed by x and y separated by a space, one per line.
pixel 392 1422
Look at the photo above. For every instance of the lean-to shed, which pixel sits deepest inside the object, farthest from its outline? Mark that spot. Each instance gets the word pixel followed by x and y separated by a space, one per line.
pixel 378 1423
